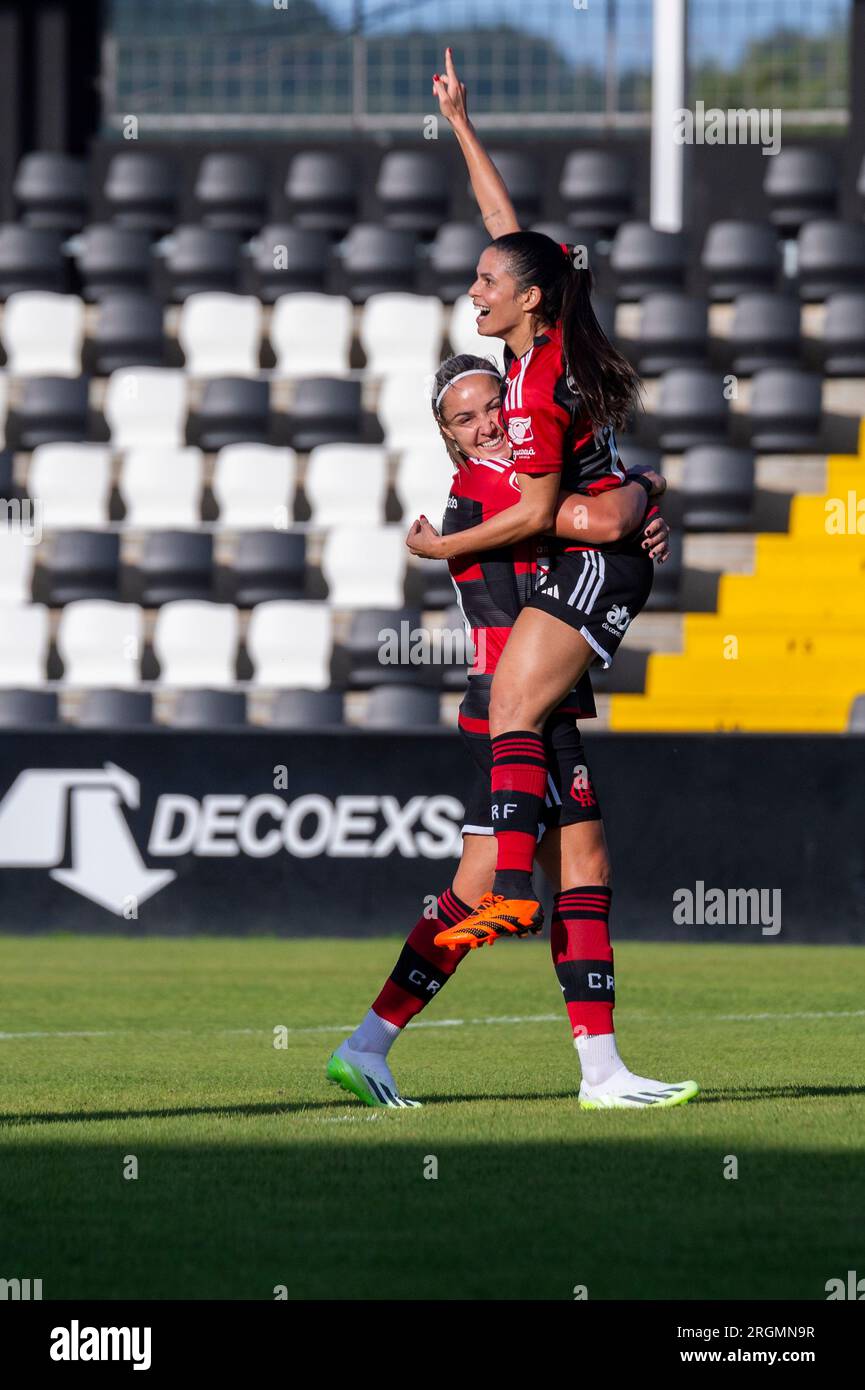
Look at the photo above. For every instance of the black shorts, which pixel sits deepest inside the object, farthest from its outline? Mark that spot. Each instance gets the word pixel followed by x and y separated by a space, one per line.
pixel 571 796
pixel 596 592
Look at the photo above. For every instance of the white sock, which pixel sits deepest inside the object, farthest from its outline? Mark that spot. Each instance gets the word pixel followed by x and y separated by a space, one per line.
pixel 599 1057
pixel 375 1034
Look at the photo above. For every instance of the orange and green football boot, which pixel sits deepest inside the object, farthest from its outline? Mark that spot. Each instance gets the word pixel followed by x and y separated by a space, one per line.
pixel 494 917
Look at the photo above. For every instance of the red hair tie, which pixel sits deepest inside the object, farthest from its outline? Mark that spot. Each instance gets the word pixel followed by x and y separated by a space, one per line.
pixel 566 249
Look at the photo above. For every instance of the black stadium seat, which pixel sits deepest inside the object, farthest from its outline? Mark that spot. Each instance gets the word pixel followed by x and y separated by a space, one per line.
pixel 364 647
pixel 667 584
pixel 31 258
pixel 285 259
pixel 21 709
pixel 765 332
pixel 740 256
pixel 402 707
pixel 785 411
pixel 326 410
pixel 306 709
pixel 376 259
pixel 717 489
pixel 604 306
pixel 141 190
pixel 268 565
pixel 585 237
pixel 128 333
pixel 175 565
pixel 51 190
pixel 842 344
pixel 412 188
pixel 110 259
pixel 522 177
pixel 231 190
pixel 51 409
pixel 321 189
pixel 454 255
pixel 209 709
pixel 645 260
pixel 81 565
pixel 597 187
pixel 831 258
pixel 674 332
pixel 692 409
pixel 115 709
pixel 800 184
pixel 233 410
pixel 199 259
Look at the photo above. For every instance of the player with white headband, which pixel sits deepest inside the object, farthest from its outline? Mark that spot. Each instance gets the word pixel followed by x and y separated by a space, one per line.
pixel 492 588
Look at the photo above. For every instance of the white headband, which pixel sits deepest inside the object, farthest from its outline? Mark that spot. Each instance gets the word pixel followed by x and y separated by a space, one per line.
pixel 473 371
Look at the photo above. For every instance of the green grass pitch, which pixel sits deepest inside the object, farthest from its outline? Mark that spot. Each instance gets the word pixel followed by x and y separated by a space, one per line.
pixel 254 1172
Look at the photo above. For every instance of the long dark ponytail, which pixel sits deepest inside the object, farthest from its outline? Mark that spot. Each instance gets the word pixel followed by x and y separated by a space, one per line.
pixel 605 380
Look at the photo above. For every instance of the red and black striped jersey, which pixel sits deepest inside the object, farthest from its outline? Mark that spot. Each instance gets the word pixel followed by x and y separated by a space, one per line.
pixel 549 430
pixel 493 585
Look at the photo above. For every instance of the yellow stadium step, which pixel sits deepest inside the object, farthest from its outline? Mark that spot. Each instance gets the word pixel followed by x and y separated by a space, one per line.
pixel 634 713
pixel 742 594
pixel 671 676
pixel 833 565
pixel 829 514
pixel 725 641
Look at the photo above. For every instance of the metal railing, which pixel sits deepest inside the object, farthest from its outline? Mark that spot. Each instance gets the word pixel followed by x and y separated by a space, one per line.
pixel 355 65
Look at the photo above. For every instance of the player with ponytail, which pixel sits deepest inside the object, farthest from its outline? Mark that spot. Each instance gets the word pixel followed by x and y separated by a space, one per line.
pixel 567 390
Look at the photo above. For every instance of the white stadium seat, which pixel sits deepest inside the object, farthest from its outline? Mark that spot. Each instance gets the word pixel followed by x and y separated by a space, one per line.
pixel 346 482
pixel 402 332
pixel 162 487
pixel 16 565
pixel 423 481
pixel 100 642
pixel 364 566
pixel 220 334
pixel 254 485
pixel 404 411
pixel 24 642
pixel 311 334
pixel 72 483
pixel 43 333
pixel 463 333
pixel 290 644
pixel 146 405
pixel 196 643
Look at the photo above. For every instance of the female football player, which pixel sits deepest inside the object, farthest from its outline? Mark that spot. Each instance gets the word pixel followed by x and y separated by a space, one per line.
pixel 567 390
pixel 492 587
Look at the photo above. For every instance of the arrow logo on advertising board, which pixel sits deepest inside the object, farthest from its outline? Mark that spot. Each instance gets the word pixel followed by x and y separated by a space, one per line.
pixel 106 865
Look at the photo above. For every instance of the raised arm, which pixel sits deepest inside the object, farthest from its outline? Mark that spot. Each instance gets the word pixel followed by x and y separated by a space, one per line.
pixel 487 183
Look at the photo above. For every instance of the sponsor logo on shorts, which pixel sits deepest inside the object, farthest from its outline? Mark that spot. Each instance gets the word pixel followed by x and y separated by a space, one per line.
pixel 617 618
pixel 520 429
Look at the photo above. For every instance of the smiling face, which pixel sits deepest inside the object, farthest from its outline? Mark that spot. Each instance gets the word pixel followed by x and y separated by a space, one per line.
pixel 469 414
pixel 503 310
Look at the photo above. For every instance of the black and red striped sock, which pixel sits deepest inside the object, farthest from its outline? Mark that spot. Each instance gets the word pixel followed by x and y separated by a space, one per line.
pixel 422 969
pixel 583 958
pixel 518 785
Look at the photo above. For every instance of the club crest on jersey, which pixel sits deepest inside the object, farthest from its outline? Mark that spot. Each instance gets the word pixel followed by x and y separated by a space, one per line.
pixel 520 429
